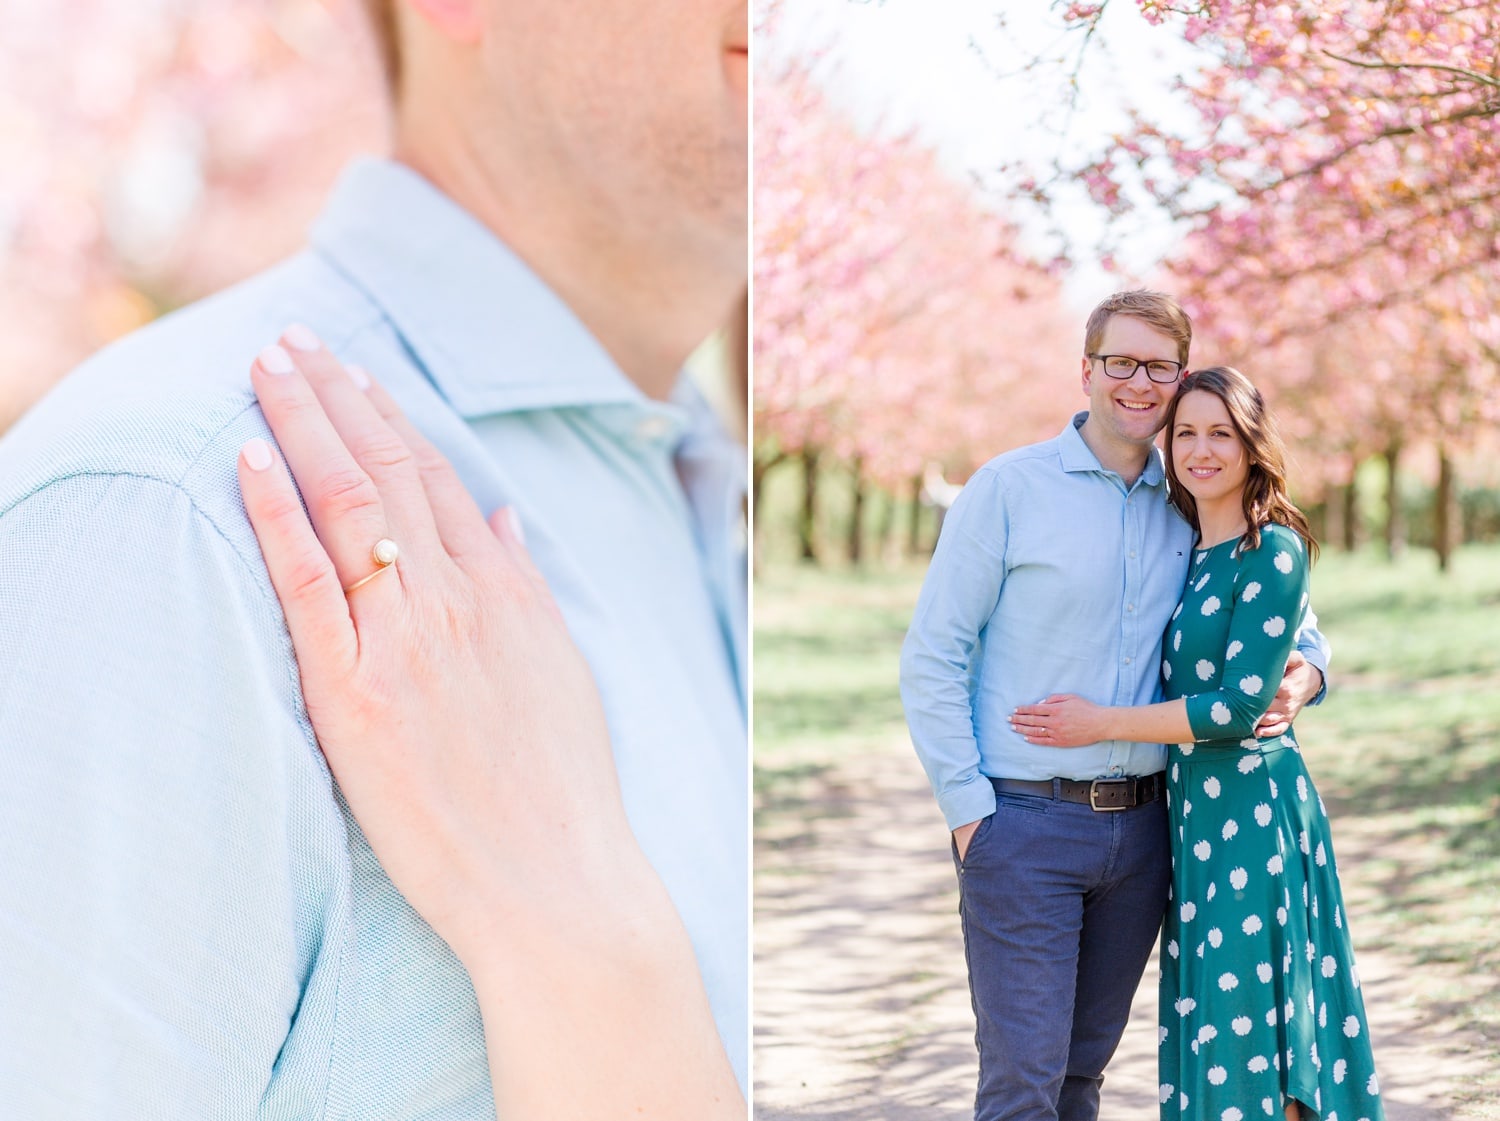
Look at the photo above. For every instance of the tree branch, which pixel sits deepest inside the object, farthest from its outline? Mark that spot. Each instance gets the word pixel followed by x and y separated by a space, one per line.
pixel 1382 64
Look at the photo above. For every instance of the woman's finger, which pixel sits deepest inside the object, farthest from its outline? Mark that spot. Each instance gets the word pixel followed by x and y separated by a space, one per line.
pixel 1033 711
pixel 379 449
pixel 460 525
pixel 346 509
pixel 505 523
pixel 317 614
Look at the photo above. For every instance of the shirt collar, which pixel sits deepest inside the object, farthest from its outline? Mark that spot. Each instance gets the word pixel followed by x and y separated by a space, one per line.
pixel 1078 456
pixel 489 333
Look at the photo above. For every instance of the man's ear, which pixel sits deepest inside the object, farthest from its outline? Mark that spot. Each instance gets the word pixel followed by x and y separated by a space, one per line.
pixel 459 20
pixel 1088 374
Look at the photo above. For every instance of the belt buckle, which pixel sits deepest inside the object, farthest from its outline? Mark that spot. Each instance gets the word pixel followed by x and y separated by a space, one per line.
pixel 1094 794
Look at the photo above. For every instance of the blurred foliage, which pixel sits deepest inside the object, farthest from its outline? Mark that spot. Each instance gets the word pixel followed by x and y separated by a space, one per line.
pixel 151 153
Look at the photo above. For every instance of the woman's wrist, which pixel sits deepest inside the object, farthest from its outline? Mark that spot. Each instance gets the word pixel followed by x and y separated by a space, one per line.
pixel 593 1006
pixel 608 907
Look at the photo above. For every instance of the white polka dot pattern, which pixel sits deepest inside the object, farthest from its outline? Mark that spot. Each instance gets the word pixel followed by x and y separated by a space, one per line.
pixel 1267 991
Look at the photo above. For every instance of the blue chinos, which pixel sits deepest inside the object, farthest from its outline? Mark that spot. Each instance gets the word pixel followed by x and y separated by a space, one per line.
pixel 1061 905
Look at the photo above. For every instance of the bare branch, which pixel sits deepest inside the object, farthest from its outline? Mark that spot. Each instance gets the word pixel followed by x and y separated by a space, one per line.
pixel 1472 75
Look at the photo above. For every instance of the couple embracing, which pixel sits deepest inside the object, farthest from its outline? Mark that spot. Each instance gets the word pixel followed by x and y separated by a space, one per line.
pixel 1100 679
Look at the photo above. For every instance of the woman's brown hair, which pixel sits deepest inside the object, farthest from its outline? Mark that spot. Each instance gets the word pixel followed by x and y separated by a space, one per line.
pixel 1265 496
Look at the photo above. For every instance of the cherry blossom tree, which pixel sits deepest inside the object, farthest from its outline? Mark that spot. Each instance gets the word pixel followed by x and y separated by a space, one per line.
pixel 1338 192
pixel 895 322
pixel 153 152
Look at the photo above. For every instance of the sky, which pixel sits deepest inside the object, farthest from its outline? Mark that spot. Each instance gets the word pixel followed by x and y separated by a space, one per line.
pixel 954 71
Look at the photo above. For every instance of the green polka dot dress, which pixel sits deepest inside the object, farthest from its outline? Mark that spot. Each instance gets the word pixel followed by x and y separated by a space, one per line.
pixel 1260 1000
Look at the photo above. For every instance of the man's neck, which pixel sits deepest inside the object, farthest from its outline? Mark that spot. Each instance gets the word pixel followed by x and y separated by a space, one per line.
pixel 1125 459
pixel 649 304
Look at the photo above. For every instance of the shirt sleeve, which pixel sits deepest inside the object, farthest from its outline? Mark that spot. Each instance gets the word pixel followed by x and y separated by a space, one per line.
pixel 958 597
pixel 1269 595
pixel 1313 646
pixel 149 736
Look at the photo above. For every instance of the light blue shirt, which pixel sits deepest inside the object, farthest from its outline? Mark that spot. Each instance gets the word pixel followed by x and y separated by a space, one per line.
pixel 1051 575
pixel 191 925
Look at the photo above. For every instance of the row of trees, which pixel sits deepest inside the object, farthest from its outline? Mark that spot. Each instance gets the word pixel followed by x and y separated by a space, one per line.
pixel 1337 190
pixel 895 317
pixel 1340 194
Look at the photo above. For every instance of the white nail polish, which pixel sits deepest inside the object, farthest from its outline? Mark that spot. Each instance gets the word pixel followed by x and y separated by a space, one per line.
pixel 274 360
pixel 301 338
pixel 257 454
pixel 513 520
pixel 359 376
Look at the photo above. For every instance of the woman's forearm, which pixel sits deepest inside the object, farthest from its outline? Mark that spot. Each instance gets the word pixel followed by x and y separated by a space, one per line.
pixel 597 1010
pixel 1165 722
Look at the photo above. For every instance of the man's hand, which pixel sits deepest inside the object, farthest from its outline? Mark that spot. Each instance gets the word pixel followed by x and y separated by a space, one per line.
pixel 962 836
pixel 1299 684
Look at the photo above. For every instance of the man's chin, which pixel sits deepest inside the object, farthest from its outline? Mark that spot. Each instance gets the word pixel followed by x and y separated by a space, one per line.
pixel 737 73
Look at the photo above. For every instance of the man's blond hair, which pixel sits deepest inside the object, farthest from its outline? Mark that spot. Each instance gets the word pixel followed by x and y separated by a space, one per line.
pixel 1156 309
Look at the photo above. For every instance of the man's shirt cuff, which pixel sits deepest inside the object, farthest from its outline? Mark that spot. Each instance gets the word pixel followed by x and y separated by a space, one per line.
pixel 973 801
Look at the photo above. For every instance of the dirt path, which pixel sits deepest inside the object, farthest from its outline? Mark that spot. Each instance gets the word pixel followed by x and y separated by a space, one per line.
pixel 861 1006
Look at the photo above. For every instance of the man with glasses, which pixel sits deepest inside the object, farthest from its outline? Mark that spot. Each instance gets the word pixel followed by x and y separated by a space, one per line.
pixel 1058 568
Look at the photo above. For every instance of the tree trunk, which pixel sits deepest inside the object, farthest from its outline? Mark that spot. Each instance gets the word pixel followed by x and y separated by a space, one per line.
pixel 885 529
pixel 857 514
pixel 758 471
pixel 1395 525
pixel 1317 519
pixel 1349 496
pixel 807 523
pixel 914 531
pixel 1445 519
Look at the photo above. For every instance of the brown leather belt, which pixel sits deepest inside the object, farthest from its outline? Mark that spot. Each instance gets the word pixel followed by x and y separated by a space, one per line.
pixel 1102 794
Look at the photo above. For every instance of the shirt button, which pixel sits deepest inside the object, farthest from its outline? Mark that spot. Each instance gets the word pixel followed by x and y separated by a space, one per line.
pixel 1130 607
pixel 652 428
pixel 1127 661
pixel 1132 554
pixel 1116 771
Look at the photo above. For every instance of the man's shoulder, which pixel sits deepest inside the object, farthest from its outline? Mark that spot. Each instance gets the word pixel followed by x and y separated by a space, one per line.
pixel 1020 466
pixel 171 404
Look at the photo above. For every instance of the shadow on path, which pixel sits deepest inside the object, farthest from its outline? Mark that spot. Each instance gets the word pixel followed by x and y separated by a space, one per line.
pixel 861 1004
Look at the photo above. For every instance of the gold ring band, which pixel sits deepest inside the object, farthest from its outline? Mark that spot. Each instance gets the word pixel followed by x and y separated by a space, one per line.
pixel 384 555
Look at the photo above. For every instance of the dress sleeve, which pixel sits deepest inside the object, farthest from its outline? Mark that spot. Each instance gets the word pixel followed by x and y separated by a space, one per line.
pixel 1268 600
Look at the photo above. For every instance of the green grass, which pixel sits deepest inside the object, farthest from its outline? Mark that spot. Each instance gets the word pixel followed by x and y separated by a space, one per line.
pixel 1406 751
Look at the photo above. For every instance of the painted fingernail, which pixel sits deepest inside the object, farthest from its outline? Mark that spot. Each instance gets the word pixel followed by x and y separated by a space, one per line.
pixel 513 520
pixel 274 360
pixel 257 454
pixel 299 337
pixel 359 376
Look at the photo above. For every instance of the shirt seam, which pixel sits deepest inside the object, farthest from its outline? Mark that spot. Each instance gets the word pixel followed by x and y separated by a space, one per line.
pixel 303 721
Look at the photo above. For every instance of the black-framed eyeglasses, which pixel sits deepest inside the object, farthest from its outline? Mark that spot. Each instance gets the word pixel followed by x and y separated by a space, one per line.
pixel 1123 368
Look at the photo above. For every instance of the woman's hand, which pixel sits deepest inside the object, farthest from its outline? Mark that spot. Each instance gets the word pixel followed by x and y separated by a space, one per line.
pixel 466 733
pixel 459 719
pixel 1062 720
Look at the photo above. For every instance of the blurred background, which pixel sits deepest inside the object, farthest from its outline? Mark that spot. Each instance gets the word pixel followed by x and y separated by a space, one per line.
pixel 156 151
pixel 942 193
